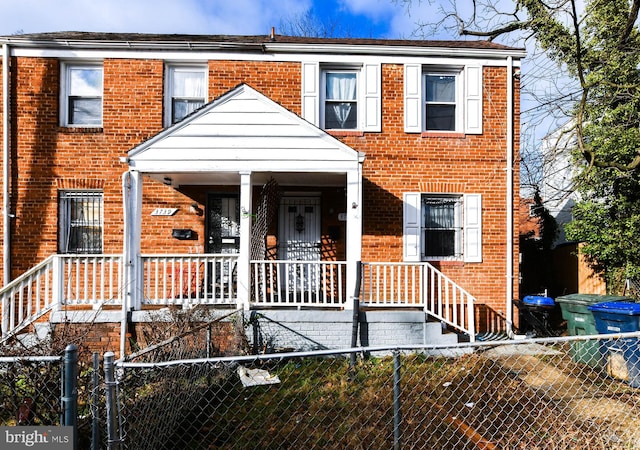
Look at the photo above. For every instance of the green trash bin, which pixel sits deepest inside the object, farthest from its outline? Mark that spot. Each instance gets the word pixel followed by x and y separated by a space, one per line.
pixel 580 322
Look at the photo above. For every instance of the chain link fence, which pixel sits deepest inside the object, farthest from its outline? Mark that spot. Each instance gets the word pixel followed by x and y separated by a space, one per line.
pixel 555 393
pixel 31 389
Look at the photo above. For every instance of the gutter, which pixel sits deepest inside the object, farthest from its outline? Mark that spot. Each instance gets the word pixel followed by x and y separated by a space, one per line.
pixel 6 214
pixel 263 47
pixel 510 195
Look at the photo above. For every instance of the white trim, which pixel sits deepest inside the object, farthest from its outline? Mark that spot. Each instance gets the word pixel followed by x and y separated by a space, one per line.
pixel 458 74
pixel 65 80
pixel 371 97
pixel 310 86
pixel 411 226
pixel 472 228
pixel 413 98
pixel 496 59
pixel 473 117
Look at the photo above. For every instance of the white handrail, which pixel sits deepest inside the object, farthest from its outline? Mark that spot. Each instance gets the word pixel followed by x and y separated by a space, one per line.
pixel 27 298
pixel 418 285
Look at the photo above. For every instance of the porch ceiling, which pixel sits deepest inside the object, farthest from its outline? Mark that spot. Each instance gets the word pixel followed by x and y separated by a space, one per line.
pixel 233 178
pixel 244 131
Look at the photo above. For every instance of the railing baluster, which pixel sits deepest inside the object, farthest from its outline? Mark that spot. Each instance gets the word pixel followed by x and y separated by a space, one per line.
pixel 418 284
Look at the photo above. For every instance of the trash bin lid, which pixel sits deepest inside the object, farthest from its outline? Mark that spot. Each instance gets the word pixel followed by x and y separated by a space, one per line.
pixel 538 300
pixel 590 299
pixel 623 308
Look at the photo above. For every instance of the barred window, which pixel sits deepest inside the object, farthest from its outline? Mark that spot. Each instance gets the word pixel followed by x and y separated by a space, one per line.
pixel 442 226
pixel 80 221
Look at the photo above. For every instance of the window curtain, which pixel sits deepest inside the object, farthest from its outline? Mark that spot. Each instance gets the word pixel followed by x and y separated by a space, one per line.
pixel 439 213
pixel 341 86
pixel 188 85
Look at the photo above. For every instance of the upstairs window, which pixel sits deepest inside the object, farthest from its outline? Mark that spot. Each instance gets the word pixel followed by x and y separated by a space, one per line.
pixel 186 91
pixel 344 97
pixel 80 221
pixel 442 99
pixel 81 95
pixel 341 100
pixel 440 102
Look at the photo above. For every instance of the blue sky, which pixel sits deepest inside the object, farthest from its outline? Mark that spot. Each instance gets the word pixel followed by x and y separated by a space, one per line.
pixel 363 18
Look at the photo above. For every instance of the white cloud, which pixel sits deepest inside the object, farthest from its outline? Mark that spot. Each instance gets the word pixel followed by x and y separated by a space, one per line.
pixel 151 16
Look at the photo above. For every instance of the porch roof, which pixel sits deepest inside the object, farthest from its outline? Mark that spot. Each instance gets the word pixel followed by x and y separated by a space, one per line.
pixel 243 130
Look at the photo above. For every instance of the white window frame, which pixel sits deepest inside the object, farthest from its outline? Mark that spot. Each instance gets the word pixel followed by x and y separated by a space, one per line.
pixel 457 228
pixel 65 92
pixel 369 94
pixel 66 199
pixel 470 221
pixel 468 97
pixel 170 70
pixel 457 103
pixel 325 100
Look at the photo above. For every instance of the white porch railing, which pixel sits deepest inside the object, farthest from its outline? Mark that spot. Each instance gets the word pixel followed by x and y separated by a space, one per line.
pixel 298 283
pixel 210 279
pixel 90 280
pixel 60 279
pixel 193 279
pixel 418 285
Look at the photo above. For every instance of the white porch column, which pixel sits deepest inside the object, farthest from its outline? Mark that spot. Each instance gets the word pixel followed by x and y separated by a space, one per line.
pixel 132 207
pixel 244 266
pixel 354 230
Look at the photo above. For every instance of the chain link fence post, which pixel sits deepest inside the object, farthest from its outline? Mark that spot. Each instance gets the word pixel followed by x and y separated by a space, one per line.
pixel 95 398
pixel 397 417
pixel 113 437
pixel 69 398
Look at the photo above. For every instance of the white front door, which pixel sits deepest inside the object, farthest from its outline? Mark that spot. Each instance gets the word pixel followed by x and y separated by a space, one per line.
pixel 299 239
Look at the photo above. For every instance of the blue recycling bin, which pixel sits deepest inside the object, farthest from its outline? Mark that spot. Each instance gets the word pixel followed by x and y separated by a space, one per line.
pixel 622 356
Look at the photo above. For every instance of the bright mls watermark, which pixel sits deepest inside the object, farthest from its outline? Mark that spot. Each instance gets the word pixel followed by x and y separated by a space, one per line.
pixel 50 438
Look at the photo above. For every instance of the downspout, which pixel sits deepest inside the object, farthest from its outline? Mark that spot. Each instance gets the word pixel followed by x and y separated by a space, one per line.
pixel 510 196
pixel 6 212
pixel 126 252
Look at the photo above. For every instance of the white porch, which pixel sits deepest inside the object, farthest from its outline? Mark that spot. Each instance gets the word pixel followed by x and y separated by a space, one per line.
pixel 97 282
pixel 243 139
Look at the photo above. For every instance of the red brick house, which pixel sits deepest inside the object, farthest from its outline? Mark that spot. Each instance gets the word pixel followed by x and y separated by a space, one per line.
pixel 256 172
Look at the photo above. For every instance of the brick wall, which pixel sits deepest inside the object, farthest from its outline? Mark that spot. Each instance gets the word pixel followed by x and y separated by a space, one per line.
pixel 48 157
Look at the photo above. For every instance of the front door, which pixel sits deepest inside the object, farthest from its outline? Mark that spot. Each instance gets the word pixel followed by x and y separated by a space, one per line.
pixel 299 239
pixel 223 236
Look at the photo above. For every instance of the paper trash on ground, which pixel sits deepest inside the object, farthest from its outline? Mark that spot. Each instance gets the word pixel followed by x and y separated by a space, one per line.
pixel 256 377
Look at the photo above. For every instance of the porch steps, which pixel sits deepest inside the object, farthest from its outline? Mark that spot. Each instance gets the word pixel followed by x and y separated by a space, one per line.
pixel 437 334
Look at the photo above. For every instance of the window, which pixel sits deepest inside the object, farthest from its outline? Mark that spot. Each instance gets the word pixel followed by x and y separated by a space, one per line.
pixel 442 227
pixel 186 91
pixel 342 97
pixel 440 102
pixel 442 99
pixel 81 95
pixel 80 222
pixel 341 100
